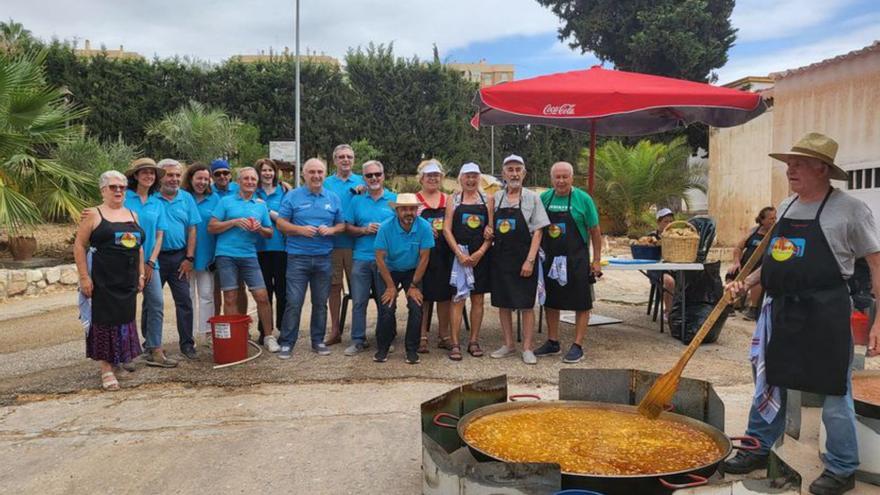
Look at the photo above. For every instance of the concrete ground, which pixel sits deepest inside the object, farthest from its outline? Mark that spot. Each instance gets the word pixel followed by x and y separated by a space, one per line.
pixel 314 424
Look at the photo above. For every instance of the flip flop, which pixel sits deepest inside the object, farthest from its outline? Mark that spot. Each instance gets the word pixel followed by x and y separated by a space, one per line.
pixel 109 382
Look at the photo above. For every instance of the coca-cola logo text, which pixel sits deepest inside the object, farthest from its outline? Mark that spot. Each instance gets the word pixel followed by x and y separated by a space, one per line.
pixel 564 109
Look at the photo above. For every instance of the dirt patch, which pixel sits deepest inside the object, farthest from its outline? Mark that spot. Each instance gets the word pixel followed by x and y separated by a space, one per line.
pixel 54 240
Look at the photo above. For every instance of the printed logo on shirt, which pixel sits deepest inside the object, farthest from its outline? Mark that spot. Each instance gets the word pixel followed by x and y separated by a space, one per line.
pixel 782 249
pixel 128 240
pixel 505 225
pixel 556 230
pixel 473 221
pixel 437 223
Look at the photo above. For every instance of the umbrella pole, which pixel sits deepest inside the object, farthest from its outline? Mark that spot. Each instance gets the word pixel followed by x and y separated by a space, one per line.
pixel 592 171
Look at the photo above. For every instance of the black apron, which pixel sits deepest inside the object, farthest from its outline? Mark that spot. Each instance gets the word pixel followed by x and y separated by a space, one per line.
pixel 115 271
pixel 509 251
pixel 563 238
pixel 468 224
pixel 435 283
pixel 811 340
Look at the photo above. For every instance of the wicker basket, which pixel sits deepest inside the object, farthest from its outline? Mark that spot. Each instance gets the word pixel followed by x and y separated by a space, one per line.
pixel 680 249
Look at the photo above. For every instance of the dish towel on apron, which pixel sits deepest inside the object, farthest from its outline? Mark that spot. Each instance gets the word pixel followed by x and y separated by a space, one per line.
pixel 559 270
pixel 85 303
pixel 767 397
pixel 542 287
pixel 462 277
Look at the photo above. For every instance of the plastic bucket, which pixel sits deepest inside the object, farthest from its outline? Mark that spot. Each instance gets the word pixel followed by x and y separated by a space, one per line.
pixel 860 324
pixel 230 337
pixel 576 492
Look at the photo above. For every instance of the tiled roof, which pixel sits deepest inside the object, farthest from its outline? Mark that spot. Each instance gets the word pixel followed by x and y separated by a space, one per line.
pixel 875 46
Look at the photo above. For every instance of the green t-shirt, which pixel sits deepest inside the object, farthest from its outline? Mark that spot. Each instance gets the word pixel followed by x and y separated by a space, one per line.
pixel 582 209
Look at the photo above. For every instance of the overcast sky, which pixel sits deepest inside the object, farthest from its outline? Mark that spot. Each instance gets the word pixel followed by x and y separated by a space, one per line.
pixel 773 35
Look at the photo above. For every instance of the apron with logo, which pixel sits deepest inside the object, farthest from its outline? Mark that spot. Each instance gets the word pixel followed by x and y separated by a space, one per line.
pixel 563 238
pixel 509 251
pixel 811 341
pixel 468 224
pixel 435 283
pixel 115 271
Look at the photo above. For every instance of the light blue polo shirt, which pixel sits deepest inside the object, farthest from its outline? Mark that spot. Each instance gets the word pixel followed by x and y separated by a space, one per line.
pixel 181 213
pixel 237 242
pixel 273 203
pixel 402 247
pixel 205 242
pixel 364 210
pixel 232 189
pixel 342 188
pixel 151 217
pixel 305 208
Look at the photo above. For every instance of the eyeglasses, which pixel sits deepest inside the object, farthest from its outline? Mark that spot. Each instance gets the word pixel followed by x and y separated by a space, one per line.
pixel 222 172
pixel 345 157
pixel 115 187
pixel 375 175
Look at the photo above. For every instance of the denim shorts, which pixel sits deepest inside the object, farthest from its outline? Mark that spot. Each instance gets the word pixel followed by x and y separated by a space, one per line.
pixel 231 270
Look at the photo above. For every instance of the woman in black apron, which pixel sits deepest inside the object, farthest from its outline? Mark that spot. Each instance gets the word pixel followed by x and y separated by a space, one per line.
pixel 113 282
pixel 469 224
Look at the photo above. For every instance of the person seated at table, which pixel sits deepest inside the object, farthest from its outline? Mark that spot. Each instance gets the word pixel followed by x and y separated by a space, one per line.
pixel 664 218
pixel 743 251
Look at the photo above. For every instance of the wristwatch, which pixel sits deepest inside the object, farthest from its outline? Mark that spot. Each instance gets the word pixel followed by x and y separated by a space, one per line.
pixel 190 259
pixel 151 263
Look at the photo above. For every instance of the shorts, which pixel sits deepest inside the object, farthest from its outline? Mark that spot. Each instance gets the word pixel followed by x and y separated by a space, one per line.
pixel 341 261
pixel 231 270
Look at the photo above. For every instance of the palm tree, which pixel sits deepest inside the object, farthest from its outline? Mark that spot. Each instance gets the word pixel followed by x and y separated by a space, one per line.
pixel 629 180
pixel 14 38
pixel 198 132
pixel 34 119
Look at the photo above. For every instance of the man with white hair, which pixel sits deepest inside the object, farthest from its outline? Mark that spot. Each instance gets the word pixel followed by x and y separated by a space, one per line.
pixel 178 248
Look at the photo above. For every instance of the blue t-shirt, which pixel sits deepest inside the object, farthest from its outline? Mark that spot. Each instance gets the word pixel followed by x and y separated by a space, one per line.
pixel 237 242
pixel 151 217
pixel 273 203
pixel 305 208
pixel 342 188
pixel 181 213
pixel 402 247
pixel 232 189
pixel 363 211
pixel 205 242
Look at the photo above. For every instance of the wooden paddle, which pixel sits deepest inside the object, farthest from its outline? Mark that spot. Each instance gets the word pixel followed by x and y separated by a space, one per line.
pixel 665 386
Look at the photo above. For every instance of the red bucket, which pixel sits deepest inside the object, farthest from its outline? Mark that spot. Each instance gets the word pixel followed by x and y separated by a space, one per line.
pixel 860 326
pixel 230 337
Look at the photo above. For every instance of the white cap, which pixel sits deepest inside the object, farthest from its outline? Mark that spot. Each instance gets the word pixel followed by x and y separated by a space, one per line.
pixel 663 212
pixel 469 168
pixel 513 158
pixel 431 168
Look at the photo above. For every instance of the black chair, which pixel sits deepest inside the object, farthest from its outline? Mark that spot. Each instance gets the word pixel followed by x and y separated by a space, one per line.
pixel 705 226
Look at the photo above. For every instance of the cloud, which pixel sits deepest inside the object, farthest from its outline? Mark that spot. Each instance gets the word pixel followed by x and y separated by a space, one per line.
pixel 761 20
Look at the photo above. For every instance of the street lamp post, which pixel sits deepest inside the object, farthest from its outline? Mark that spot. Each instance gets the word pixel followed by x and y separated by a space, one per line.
pixel 296 90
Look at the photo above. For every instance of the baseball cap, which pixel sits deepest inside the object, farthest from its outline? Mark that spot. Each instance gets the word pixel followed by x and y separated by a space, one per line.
pixel 663 212
pixel 513 158
pixel 469 168
pixel 431 168
pixel 219 164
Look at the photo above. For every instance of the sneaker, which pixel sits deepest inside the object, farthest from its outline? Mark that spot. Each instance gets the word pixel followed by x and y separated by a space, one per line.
pixel 391 349
pixel 832 484
pixel 548 348
pixel 321 349
pixel 354 349
pixel 285 352
pixel 380 357
pixel 159 360
pixel 529 357
pixel 190 352
pixel 412 358
pixel 271 343
pixel 751 314
pixel 744 462
pixel 502 352
pixel 575 354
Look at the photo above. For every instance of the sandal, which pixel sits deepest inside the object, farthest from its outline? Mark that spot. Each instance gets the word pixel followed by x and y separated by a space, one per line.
pixel 474 349
pixel 108 381
pixel 455 353
pixel 423 346
pixel 444 343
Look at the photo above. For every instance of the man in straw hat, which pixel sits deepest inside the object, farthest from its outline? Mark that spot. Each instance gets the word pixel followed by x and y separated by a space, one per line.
pixel 803 339
pixel 403 245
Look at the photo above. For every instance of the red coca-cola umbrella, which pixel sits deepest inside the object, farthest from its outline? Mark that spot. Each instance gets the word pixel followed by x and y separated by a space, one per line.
pixel 613 103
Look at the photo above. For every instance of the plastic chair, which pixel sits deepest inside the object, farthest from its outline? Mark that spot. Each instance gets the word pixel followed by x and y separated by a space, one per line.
pixel 705 225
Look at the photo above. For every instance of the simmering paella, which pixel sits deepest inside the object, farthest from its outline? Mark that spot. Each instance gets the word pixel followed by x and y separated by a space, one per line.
pixel 592 441
pixel 866 388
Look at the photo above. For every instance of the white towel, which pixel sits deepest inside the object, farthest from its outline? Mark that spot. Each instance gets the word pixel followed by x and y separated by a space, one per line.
pixel 767 397
pixel 85 303
pixel 542 286
pixel 559 270
pixel 462 277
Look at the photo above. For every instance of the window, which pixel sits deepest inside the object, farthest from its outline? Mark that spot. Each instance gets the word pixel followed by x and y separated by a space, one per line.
pixel 863 178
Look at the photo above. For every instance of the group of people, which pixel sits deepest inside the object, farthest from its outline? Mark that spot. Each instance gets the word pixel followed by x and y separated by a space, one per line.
pixel 211 239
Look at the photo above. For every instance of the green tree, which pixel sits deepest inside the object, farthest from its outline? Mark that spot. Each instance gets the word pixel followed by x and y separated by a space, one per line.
pixel 89 155
pixel 686 39
pixel 15 39
pixel 197 132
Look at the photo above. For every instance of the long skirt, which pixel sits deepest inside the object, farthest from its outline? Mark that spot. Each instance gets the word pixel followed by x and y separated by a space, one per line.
pixel 115 344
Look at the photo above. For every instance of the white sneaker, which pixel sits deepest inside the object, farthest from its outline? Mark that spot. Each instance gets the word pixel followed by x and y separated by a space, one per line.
pixel 502 352
pixel 271 343
pixel 529 357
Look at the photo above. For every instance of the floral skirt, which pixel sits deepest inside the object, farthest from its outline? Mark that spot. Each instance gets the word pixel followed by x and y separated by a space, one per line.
pixel 113 343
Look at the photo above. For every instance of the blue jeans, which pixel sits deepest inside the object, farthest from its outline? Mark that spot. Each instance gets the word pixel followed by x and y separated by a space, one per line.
pixel 364 278
pixel 314 272
pixel 387 329
pixel 152 312
pixel 838 415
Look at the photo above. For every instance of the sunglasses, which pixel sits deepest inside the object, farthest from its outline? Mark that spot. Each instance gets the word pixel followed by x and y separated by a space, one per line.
pixel 222 172
pixel 374 175
pixel 116 187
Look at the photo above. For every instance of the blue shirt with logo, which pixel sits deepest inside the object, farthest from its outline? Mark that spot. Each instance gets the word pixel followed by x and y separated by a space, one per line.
pixel 181 214
pixel 342 188
pixel 273 203
pixel 232 189
pixel 363 211
pixel 151 217
pixel 305 208
pixel 402 247
pixel 205 242
pixel 237 242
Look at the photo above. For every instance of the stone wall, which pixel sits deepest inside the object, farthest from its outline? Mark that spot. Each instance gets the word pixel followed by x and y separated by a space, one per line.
pixel 37 281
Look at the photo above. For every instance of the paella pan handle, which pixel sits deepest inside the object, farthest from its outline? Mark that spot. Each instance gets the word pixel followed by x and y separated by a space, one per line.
pixel 697 481
pixel 668 408
pixel 515 397
pixel 441 424
pixel 748 443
